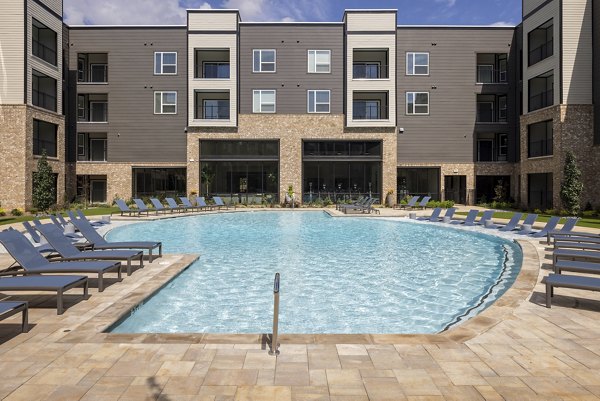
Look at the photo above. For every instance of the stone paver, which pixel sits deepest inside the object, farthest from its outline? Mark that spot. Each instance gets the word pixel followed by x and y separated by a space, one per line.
pixel 515 350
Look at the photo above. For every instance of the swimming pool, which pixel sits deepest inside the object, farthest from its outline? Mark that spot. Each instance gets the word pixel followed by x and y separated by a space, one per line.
pixel 338 275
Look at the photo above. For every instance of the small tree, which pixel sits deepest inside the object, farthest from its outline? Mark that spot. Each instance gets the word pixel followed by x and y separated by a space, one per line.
pixel 499 191
pixel 571 186
pixel 44 192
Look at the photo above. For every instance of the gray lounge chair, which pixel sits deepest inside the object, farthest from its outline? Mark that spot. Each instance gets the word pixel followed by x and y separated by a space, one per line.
pixel 99 243
pixel 186 203
pixel 58 284
pixel 590 246
pixel 361 200
pixel 411 203
pixel 126 209
pixel 174 206
pixel 529 220
pixel 10 308
pixel 142 206
pixel 33 262
pixel 219 202
pixel 423 203
pixel 575 240
pixel 566 281
pixel 83 216
pixel 513 222
pixel 159 207
pixel 201 202
pixel 435 215
pixel 469 220
pixel 574 254
pixel 449 214
pixel 486 216
pixel 42 247
pixel 566 228
pixel 550 225
pixel 576 266
pixel 69 252
pixel 367 207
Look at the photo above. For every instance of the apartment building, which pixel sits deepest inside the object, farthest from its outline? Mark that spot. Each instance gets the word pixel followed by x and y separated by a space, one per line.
pixel 245 110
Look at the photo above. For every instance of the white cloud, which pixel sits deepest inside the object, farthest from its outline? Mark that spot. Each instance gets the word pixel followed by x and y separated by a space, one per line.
pixel 447 3
pixel 503 23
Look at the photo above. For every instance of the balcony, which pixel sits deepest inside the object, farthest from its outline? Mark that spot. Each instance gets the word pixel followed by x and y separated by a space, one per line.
pixel 92 68
pixel 212 106
pixel 370 106
pixel 541 91
pixel 92 108
pixel 492 68
pixel 491 109
pixel 211 64
pixel 91 147
pixel 43 91
pixel 43 42
pixel 370 64
pixel 541 43
pixel 492 148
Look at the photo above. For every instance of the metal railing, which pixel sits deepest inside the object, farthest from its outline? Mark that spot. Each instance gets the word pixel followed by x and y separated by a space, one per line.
pixel 491 76
pixel 42 99
pixel 215 112
pixel 366 112
pixel 44 52
pixel 541 52
pixel 543 147
pixel 541 100
pixel 274 336
pixel 215 70
pixel 369 71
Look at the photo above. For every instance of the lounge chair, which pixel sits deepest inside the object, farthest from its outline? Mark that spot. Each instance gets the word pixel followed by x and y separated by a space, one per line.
pixel 99 243
pixel 575 240
pixel 9 308
pixel 576 266
pixel 126 209
pixel 529 220
pixel 201 202
pixel 449 214
pixel 550 225
pixel 579 234
pixel 567 281
pixel 69 252
pixel 512 223
pixel 186 203
pixel 435 215
pixel 219 202
pixel 423 203
pixel 486 216
pixel 174 206
pixel 56 222
pixel 40 246
pixel 83 216
pixel 159 207
pixel 574 254
pixel 361 200
pixel 58 284
pixel 368 206
pixel 411 203
pixel 469 220
pixel 33 262
pixel 590 246
pixel 566 228
pixel 142 206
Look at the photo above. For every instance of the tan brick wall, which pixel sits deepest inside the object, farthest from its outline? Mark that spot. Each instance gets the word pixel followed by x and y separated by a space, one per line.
pixel 17 161
pixel 573 130
pixel 290 130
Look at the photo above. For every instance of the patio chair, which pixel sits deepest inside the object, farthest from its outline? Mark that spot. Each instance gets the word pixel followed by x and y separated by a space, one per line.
pixel 58 284
pixel 574 254
pixel 486 216
pixel 61 219
pixel 83 216
pixel 40 246
pixel 159 207
pixel 512 223
pixel 423 203
pixel 567 227
pixel 359 201
pixel 530 219
pixel 367 206
pixel 126 209
pixel 219 202
pixel 186 203
pixel 174 206
pixel 68 251
pixel 567 281
pixel 33 262
pixel 449 214
pixel 201 202
pixel 435 215
pixel 10 308
pixel 142 206
pixel 99 243
pixel 590 246
pixel 469 220
pixel 576 240
pixel 411 203
pixel 550 225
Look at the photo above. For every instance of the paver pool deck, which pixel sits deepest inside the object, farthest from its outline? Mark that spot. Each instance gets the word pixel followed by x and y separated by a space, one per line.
pixel 515 350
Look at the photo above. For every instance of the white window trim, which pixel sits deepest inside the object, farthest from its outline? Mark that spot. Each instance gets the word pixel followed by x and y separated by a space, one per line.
pixel 260 103
pixel 315 63
pixel 267 62
pixel 415 97
pixel 162 64
pixel 316 103
pixel 163 104
pixel 408 54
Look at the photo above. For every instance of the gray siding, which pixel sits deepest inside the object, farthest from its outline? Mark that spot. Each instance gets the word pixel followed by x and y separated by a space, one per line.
pixel 134 132
pixel 447 134
pixel 54 5
pixel 291 79
pixel 596 78
pixel 12 43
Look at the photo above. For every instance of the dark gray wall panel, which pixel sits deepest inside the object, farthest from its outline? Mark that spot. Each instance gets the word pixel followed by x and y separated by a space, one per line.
pixel 291 80
pixel 596 78
pixel 135 133
pixel 447 133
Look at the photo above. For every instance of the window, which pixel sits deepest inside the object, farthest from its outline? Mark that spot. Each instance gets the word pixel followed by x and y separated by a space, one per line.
pixel 318 101
pixel 502 109
pixel 263 101
pixel 264 61
pixel 540 137
pixel 165 63
pixel 417 103
pixel 43 91
pixel 485 112
pixel 165 102
pixel 91 147
pixel 43 42
pixel 158 181
pixel 98 73
pixel 417 63
pixel 319 61
pixel 541 42
pixel 98 112
pixel 502 147
pixel 541 91
pixel 44 138
pixel 540 190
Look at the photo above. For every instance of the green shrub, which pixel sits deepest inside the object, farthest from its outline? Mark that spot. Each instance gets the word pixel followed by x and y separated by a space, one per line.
pixel 589 213
pixel 443 204
pixel 551 212
pixel 537 211
pixel 33 210
pixel 2 212
pixel 564 212
pixel 16 212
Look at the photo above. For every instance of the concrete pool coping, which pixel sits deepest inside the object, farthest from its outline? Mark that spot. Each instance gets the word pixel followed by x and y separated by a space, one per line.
pixel 94 329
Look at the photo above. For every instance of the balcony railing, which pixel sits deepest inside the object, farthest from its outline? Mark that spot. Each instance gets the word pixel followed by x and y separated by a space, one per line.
pixel 541 100
pixel 44 52
pixel 486 75
pixel 214 70
pixel 367 112
pixel 369 71
pixel 44 100
pixel 541 52
pixel 220 112
pixel 540 148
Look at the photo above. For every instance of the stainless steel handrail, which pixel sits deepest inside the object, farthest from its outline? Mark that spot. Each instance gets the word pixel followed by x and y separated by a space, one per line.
pixel 274 344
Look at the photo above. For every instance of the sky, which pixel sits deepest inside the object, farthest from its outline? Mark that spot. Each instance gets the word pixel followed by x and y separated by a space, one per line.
pixel 410 12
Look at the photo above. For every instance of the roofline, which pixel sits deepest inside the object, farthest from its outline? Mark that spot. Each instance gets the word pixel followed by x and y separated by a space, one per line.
pixel 290 23
pixel 213 10
pixel 127 26
pixel 457 26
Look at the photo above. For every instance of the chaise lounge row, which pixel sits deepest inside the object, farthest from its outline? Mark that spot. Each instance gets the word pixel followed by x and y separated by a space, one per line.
pixel 172 206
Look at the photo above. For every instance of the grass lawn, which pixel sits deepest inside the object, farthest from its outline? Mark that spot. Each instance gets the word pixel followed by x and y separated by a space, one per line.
pixel 88 212
pixel 590 222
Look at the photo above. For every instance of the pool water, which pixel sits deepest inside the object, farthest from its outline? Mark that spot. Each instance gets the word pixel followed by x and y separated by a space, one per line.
pixel 338 275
